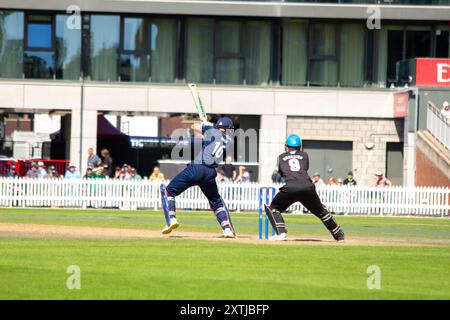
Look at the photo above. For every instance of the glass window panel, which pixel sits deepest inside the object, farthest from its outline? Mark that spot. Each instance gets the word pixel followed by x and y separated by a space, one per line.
pixel 199 50
pixel 229 70
pixel 134 34
pixel 418 44
pixel 395 52
pixel 443 41
pixel 39 64
pixel 134 67
pixel 105 37
pixel 39 32
pixel 323 39
pixel 68 46
pixel 228 37
pixel 163 50
pixel 351 68
pixel 323 73
pixel 258 52
pixel 11 44
pixel 294 53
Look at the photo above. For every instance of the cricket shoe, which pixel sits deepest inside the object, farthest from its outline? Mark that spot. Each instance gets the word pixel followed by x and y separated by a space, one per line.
pixel 339 237
pixel 278 237
pixel 228 233
pixel 173 225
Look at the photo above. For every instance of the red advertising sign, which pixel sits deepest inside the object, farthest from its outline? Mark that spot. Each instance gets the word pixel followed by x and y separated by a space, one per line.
pixel 432 72
pixel 401 104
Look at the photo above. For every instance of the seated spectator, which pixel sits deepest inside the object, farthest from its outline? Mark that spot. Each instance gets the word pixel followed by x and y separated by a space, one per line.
pixel 339 181
pixel 33 173
pixel 107 162
pixel 445 111
pixel 88 174
pixel 229 169
pixel 93 160
pixel 41 169
pixel 221 177
pixel 332 181
pixel 98 173
pixel 157 175
pixel 127 171
pixel 244 175
pixel 117 172
pixel 52 171
pixel 134 175
pixel 349 181
pixel 72 173
pixel 317 180
pixel 382 181
pixel 12 172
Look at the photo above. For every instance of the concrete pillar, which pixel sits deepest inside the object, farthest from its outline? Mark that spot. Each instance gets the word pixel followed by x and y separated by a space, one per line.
pixel 83 135
pixel 271 144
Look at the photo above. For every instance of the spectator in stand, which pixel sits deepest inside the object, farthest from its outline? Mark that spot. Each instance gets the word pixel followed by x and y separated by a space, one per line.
pixel 332 181
pixel 339 181
pixel 41 169
pixel 98 173
pixel 229 169
pixel 349 181
pixel 12 172
pixel 93 160
pixel 317 180
pixel 157 175
pixel 221 177
pixel 72 173
pixel 88 174
pixel 127 171
pixel 118 172
pixel 244 175
pixel 445 111
pixel 134 175
pixel 382 181
pixel 33 172
pixel 107 162
pixel 52 172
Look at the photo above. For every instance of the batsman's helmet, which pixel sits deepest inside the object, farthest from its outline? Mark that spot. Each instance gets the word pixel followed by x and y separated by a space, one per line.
pixel 294 141
pixel 224 123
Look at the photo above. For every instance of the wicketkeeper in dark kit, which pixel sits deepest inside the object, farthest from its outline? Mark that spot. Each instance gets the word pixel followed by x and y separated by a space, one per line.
pixel 293 166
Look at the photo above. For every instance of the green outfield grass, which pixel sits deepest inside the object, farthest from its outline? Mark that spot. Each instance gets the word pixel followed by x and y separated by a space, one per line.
pixel 179 268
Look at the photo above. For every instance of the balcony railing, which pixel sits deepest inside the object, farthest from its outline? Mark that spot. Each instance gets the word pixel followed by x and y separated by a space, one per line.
pixel 438 125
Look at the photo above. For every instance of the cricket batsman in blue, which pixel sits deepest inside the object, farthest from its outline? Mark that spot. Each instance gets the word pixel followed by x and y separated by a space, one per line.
pixel 202 172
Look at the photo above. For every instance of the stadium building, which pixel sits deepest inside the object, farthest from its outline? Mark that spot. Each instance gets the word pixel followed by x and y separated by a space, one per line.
pixel 354 87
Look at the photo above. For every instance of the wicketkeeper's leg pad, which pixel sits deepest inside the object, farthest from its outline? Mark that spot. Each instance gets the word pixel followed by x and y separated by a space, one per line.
pixel 276 220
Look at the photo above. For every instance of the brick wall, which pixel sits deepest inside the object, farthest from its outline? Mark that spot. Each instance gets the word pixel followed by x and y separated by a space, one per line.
pixel 359 131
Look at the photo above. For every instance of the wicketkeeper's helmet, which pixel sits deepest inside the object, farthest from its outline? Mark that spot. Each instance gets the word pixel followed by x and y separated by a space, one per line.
pixel 294 141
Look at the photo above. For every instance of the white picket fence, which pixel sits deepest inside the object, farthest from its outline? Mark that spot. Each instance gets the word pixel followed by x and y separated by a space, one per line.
pixel 144 194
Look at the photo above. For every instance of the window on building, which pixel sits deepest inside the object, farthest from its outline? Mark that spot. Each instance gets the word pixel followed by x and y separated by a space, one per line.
pixel 294 59
pixel 39 55
pixel 352 50
pixel 134 60
pixel 418 42
pixel 11 44
pixel 68 48
pixel 323 58
pixel 105 39
pixel 228 51
pixel 163 49
pixel 443 42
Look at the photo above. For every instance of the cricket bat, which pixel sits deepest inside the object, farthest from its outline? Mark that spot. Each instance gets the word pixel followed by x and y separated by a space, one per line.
pixel 198 102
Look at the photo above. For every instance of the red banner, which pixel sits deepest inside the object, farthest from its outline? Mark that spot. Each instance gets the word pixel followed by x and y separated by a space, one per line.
pixel 432 72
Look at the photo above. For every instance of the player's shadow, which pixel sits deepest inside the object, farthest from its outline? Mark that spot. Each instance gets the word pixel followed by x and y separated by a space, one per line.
pixel 307 240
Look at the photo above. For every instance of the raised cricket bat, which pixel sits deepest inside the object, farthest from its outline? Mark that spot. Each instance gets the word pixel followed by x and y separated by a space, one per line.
pixel 198 102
